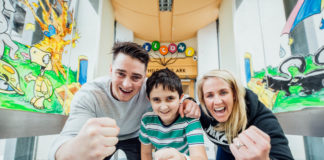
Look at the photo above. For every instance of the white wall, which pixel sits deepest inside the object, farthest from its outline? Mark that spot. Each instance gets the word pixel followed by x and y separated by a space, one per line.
pixel 228 58
pixel 319 33
pixel 207 42
pixel 106 33
pixel 43 146
pixel 2 148
pixel 296 144
pixel 123 34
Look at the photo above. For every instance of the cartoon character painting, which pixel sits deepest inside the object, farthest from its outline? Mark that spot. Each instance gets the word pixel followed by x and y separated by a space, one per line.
pixel 9 79
pixel 4 37
pixel 43 88
pixel 30 73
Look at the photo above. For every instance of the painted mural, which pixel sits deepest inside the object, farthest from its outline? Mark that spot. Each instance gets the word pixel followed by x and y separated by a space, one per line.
pixel 34 37
pixel 298 81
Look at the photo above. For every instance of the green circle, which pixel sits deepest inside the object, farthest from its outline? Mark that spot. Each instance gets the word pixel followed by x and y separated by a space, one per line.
pixel 155 45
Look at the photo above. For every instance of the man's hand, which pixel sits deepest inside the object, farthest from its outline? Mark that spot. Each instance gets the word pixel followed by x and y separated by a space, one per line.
pixel 95 141
pixel 189 109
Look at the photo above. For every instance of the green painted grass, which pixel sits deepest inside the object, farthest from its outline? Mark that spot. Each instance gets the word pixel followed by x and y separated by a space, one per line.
pixel 24 67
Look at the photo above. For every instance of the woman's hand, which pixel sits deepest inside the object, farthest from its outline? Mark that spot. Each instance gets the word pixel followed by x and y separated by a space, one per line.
pixel 168 154
pixel 251 144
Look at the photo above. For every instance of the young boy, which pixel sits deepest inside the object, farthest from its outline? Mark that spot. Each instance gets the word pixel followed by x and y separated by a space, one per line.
pixel 164 128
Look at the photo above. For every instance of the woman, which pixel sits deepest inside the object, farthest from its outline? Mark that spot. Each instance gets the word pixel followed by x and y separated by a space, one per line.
pixel 237 122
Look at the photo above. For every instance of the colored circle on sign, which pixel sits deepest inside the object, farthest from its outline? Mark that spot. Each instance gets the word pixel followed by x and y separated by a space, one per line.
pixel 181 47
pixel 172 48
pixel 190 52
pixel 164 50
pixel 147 46
pixel 155 45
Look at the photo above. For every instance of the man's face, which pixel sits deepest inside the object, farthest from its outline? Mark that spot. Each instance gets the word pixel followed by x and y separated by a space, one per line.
pixel 128 75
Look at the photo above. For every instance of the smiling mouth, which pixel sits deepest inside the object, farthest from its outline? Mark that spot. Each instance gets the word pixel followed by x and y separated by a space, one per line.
pixel 125 91
pixel 164 112
pixel 220 110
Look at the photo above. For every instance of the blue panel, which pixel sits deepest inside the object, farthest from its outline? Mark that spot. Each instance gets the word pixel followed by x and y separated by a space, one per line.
pixel 247 69
pixel 83 71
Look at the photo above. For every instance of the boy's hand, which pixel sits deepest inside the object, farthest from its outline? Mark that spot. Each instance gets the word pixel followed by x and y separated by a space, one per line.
pixel 168 154
pixel 189 109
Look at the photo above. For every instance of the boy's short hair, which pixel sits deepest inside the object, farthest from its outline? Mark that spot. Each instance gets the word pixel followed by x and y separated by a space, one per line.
pixel 131 49
pixel 166 78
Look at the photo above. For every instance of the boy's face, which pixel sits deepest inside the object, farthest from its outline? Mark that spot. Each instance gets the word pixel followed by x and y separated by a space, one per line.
pixel 128 75
pixel 165 103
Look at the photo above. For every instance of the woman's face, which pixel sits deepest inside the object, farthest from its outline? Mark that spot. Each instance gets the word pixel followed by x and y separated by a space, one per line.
pixel 218 97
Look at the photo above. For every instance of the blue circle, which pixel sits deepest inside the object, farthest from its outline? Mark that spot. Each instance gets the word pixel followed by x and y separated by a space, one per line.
pixel 147 46
pixel 181 47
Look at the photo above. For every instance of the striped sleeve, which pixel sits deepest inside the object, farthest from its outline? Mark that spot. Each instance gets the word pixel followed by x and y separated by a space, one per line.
pixel 194 132
pixel 143 137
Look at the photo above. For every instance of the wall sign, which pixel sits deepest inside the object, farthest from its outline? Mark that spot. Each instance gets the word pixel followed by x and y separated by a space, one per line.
pixel 147 46
pixel 155 45
pixel 164 50
pixel 172 48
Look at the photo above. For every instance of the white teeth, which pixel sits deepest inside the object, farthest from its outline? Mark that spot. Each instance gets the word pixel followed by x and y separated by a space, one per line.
pixel 125 90
pixel 219 109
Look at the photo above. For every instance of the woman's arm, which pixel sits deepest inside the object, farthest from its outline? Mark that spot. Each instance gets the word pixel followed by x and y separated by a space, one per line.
pixel 197 152
pixel 146 151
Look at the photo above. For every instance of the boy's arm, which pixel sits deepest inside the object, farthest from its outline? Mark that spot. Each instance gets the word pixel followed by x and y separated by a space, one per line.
pixel 195 138
pixel 197 152
pixel 146 151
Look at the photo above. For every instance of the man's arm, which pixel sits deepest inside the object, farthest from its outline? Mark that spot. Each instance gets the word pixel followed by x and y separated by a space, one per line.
pixel 83 131
pixel 146 151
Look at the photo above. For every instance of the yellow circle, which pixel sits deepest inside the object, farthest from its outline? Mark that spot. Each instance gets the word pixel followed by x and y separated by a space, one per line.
pixel 9 69
pixel 190 52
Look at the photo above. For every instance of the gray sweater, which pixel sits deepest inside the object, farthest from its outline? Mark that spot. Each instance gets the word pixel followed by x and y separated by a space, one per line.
pixel 93 100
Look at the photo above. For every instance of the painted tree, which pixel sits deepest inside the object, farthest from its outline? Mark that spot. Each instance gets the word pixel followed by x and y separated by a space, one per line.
pixel 55 27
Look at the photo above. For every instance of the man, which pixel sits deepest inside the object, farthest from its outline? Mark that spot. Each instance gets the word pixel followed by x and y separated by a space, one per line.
pixel 106 113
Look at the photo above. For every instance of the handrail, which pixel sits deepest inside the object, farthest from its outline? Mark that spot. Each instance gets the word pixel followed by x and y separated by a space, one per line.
pixel 15 123
pixel 306 122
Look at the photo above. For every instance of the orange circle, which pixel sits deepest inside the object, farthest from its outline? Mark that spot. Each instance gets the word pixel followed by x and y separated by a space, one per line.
pixel 164 50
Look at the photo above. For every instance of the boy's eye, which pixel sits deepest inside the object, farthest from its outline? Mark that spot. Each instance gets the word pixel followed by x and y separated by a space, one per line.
pixel 169 98
pixel 155 99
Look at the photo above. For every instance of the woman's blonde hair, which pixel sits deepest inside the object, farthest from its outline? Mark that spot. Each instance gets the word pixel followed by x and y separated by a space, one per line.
pixel 237 120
